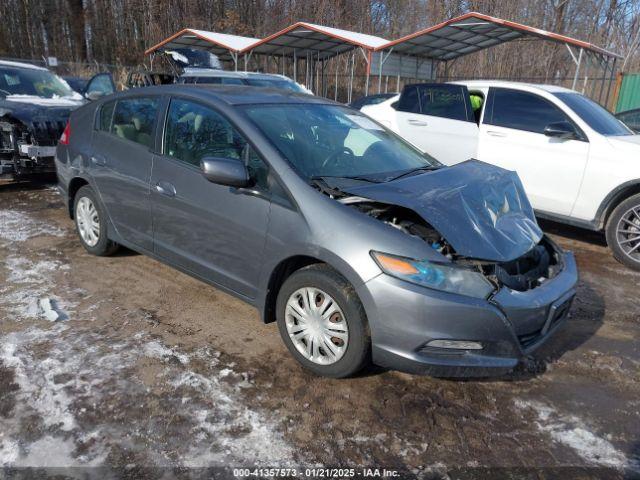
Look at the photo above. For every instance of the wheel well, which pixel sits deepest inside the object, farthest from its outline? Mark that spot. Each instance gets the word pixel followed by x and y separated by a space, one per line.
pixel 617 199
pixel 282 271
pixel 75 185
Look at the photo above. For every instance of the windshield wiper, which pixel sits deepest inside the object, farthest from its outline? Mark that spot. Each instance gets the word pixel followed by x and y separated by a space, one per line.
pixel 425 168
pixel 363 179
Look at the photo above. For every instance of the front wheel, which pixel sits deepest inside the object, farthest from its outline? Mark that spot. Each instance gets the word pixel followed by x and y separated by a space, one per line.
pixel 322 322
pixel 623 232
pixel 91 223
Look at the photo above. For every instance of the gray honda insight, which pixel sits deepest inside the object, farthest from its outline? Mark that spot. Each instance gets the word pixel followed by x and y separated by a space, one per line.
pixel 359 246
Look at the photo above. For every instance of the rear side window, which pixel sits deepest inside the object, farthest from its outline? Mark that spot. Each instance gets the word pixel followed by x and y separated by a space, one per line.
pixel 523 111
pixel 105 116
pixel 447 101
pixel 134 119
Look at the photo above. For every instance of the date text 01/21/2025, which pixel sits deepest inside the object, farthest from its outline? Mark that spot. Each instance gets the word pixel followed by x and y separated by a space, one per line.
pixel 315 472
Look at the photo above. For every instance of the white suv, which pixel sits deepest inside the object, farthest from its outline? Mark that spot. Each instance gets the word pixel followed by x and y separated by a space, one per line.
pixel 578 163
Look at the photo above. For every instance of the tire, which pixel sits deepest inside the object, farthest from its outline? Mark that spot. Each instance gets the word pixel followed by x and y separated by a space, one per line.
pixel 336 358
pixel 85 205
pixel 623 232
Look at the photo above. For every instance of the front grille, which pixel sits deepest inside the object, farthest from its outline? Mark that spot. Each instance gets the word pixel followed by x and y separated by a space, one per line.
pixel 47 132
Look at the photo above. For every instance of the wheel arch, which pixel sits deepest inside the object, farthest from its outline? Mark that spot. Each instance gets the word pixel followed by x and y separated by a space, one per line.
pixel 75 184
pixel 286 266
pixel 615 198
pixel 279 274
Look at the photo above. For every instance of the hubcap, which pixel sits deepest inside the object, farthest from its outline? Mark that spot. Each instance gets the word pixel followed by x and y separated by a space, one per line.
pixel 628 233
pixel 316 326
pixel 88 221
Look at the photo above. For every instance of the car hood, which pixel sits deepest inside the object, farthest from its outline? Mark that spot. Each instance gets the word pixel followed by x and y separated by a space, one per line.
pixel 625 141
pixel 480 209
pixel 26 108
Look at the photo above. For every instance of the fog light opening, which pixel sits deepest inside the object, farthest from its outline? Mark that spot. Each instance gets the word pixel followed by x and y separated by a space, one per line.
pixel 455 344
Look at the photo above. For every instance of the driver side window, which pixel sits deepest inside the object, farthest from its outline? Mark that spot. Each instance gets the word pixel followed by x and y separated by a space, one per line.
pixel 194 131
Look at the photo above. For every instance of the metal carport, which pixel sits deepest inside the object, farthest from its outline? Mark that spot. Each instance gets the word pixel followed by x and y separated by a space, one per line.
pixel 226 47
pixel 473 32
pixel 315 44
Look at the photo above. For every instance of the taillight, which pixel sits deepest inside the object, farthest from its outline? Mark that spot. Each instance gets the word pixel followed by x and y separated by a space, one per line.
pixel 66 134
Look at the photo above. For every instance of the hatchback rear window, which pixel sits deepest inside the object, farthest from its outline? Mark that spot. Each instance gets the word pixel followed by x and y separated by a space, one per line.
pixel 134 119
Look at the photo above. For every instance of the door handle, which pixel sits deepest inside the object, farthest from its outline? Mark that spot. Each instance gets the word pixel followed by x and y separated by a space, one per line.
pixel 493 133
pixel 99 160
pixel 165 188
pixel 417 123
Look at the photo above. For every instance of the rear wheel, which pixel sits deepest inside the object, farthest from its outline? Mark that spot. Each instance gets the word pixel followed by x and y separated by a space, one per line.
pixel 322 322
pixel 91 223
pixel 623 232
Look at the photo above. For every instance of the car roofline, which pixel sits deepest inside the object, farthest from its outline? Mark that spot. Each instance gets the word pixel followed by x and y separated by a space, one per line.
pixel 230 94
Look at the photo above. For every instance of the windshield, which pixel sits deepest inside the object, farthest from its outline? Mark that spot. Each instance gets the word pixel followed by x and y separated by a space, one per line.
pixel 280 84
pixel 335 141
pixel 27 81
pixel 594 115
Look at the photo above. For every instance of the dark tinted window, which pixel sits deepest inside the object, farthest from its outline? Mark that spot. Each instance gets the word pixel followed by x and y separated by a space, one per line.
pixel 194 131
pixel 443 101
pixel 208 80
pixel 631 119
pixel 106 114
pixel 134 118
pixel 593 114
pixel 523 111
pixel 409 101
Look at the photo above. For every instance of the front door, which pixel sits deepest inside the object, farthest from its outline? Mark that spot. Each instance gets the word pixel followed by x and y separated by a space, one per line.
pixel 438 119
pixel 121 165
pixel 214 231
pixel 511 136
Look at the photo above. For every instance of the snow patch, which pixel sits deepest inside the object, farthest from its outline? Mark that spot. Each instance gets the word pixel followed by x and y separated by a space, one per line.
pixel 572 432
pixel 36 377
pixel 155 349
pixel 17 227
pixel 28 282
pixel 259 442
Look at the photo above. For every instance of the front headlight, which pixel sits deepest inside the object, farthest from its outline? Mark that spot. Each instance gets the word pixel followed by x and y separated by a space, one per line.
pixel 439 276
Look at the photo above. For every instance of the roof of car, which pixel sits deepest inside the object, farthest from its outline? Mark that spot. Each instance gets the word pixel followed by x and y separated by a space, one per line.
pixel 230 94
pixel 516 85
pixel 7 63
pixel 210 72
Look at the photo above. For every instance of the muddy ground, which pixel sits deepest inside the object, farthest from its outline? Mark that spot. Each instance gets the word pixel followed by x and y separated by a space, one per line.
pixel 150 368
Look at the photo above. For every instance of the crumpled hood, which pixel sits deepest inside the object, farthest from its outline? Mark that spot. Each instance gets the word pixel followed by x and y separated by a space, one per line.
pixel 480 209
pixel 28 112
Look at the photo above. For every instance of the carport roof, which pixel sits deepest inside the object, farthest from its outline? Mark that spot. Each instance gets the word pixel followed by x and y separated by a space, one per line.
pixel 302 38
pixel 220 44
pixel 473 32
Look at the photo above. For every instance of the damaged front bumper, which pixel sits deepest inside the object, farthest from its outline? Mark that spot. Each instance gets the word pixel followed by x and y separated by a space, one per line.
pixel 404 318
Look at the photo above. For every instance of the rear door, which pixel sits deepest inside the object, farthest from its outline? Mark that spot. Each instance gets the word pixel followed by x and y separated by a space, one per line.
pixel 511 136
pixel 439 120
pixel 214 231
pixel 121 163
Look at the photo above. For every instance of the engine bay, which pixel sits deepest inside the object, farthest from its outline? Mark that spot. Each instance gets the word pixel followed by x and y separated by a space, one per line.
pixel 527 272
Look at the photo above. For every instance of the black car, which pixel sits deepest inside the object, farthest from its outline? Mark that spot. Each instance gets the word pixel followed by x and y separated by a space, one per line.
pixel 371 100
pixel 34 108
pixel 631 118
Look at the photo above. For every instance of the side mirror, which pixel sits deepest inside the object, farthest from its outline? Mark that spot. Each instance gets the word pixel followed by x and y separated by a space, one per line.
pixel 562 130
pixel 225 171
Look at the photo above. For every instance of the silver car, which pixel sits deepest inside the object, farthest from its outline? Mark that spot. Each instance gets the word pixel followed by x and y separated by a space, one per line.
pixel 360 247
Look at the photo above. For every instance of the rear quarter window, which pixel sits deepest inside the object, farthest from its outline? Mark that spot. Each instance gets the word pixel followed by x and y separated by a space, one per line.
pixel 105 115
pixel 134 119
